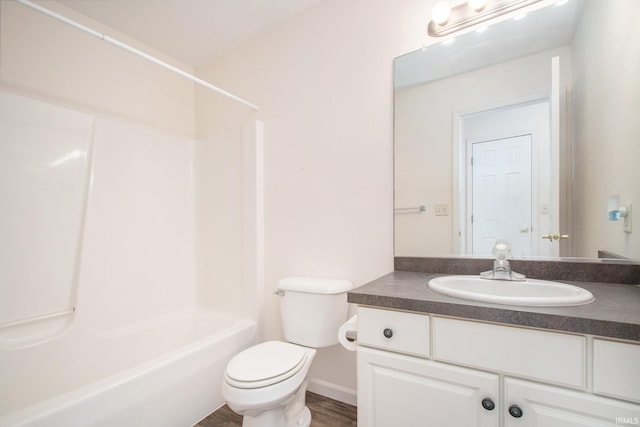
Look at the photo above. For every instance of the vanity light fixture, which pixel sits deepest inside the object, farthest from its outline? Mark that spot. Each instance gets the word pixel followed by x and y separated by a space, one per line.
pixel 441 12
pixel 446 20
pixel 477 5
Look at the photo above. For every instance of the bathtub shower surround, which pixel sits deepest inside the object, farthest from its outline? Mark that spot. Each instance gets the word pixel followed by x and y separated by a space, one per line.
pixel 102 320
pixel 138 252
pixel 44 171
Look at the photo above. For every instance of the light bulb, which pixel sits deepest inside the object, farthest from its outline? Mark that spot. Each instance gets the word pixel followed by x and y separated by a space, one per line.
pixel 440 13
pixel 477 5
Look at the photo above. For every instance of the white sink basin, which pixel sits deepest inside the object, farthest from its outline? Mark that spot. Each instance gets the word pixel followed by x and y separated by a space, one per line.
pixel 528 292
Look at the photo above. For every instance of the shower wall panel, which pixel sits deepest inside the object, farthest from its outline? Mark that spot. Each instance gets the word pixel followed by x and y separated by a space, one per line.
pixel 44 163
pixel 138 256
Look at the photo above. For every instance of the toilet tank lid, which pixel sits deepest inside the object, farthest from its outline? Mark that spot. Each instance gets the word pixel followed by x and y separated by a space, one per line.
pixel 314 285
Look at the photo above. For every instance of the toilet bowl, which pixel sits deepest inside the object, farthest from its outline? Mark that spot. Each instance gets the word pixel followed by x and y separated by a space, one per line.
pixel 267 383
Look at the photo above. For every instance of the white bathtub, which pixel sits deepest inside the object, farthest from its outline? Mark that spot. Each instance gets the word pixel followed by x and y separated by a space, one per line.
pixel 164 373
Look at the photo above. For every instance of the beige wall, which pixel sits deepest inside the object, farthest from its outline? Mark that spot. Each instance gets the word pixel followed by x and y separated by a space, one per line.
pixel 323 82
pixel 43 58
pixel 607 106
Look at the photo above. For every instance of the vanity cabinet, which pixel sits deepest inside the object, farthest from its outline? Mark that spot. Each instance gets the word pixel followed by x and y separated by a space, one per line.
pixel 418 369
pixel 405 391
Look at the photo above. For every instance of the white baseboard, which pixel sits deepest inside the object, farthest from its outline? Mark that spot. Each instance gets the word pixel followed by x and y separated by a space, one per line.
pixel 333 391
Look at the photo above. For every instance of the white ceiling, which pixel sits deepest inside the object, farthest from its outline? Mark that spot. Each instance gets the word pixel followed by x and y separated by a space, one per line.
pixel 191 31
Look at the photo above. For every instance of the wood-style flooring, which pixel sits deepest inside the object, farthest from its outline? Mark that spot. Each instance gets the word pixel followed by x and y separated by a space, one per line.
pixel 325 412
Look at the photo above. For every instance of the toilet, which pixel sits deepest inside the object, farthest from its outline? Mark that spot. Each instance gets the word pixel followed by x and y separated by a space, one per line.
pixel 266 383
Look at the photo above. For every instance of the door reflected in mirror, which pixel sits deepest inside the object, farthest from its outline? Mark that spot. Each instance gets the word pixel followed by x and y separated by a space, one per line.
pixel 521 132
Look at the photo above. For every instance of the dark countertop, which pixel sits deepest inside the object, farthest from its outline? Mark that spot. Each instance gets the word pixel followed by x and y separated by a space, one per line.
pixel 615 313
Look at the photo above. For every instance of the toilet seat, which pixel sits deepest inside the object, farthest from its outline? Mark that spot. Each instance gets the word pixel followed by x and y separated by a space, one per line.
pixel 265 364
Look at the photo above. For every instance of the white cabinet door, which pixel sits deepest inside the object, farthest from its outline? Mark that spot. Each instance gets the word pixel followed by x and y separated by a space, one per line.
pixel 395 390
pixel 547 406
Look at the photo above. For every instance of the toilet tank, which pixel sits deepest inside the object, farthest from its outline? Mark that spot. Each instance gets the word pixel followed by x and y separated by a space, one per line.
pixel 313 309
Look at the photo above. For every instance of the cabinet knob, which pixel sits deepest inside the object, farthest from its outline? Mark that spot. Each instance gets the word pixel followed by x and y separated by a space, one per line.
pixel 387 333
pixel 515 411
pixel 488 404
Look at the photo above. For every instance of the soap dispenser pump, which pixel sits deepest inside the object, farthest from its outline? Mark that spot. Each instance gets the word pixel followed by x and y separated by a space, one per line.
pixel 616 211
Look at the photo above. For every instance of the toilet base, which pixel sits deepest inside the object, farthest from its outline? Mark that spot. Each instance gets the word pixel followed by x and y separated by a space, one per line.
pixel 293 414
pixel 276 417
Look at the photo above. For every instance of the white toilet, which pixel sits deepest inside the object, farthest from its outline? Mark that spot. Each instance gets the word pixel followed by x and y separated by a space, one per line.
pixel 266 383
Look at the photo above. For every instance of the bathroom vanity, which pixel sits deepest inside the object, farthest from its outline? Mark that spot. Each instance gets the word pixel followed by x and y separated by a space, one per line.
pixel 430 359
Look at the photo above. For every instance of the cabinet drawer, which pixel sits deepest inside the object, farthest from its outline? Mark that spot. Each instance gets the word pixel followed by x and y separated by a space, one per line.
pixel 549 356
pixel 616 369
pixel 405 332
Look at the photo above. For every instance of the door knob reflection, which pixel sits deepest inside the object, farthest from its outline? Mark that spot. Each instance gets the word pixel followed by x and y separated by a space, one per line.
pixel 555 236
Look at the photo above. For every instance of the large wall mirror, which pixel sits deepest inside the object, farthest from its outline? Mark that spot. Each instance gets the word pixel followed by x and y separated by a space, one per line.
pixel 527 131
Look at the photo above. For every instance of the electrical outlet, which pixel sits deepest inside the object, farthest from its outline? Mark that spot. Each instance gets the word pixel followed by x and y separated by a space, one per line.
pixel 442 210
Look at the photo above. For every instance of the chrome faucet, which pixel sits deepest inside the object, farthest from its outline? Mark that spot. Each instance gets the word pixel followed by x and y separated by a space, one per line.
pixel 501 267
